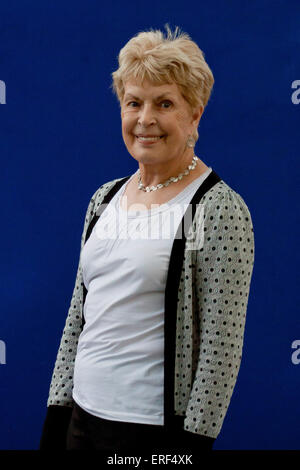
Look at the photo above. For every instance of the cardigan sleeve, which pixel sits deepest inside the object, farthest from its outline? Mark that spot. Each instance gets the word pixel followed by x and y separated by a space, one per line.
pixel 223 273
pixel 60 402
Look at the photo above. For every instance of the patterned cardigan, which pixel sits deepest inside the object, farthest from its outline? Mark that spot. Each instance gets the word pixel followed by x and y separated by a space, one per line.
pixel 206 299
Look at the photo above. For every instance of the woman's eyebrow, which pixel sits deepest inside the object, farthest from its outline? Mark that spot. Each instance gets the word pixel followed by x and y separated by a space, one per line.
pixel 164 95
pixel 129 95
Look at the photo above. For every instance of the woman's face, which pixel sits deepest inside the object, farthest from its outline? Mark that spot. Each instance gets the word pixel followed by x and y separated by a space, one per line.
pixel 160 112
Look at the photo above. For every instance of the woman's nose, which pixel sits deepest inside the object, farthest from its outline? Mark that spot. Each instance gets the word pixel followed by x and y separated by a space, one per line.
pixel 146 116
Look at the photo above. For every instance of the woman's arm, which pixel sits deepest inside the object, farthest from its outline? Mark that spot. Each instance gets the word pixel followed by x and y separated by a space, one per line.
pixel 222 282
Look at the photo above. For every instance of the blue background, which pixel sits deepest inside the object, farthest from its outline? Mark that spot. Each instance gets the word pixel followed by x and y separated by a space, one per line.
pixel 60 139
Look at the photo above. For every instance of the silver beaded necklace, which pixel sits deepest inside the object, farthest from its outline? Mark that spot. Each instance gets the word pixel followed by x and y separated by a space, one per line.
pixel 173 179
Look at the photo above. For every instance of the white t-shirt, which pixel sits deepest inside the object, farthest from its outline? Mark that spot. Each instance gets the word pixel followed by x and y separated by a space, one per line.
pixel 119 366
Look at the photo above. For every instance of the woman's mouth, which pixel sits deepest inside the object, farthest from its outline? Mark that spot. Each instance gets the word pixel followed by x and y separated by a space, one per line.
pixel 149 139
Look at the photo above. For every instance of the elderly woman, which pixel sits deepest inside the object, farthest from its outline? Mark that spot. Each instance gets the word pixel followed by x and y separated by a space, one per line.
pixel 152 344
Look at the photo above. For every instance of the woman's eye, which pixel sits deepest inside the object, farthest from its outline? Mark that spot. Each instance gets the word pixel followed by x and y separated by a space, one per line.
pixel 165 104
pixel 132 102
pixel 168 103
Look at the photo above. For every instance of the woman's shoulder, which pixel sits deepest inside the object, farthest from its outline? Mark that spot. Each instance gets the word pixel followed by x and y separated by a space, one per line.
pixel 104 189
pixel 224 204
pixel 223 195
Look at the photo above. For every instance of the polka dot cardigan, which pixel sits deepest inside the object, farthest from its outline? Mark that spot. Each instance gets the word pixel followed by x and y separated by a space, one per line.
pixel 205 311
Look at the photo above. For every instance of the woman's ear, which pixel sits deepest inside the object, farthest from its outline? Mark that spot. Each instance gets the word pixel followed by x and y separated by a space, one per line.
pixel 196 115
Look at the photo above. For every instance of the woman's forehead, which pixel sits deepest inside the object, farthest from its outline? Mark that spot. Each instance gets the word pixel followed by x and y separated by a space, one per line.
pixel 133 88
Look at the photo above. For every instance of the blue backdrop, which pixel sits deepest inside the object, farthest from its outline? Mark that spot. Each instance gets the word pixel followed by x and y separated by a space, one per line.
pixel 58 113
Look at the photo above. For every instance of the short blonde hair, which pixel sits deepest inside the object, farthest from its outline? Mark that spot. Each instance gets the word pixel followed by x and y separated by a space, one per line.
pixel 174 58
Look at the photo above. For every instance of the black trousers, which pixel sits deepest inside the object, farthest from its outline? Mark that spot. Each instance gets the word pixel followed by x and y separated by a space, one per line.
pixel 88 432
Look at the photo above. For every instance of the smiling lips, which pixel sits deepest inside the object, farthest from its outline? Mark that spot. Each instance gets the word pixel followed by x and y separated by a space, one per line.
pixel 149 139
